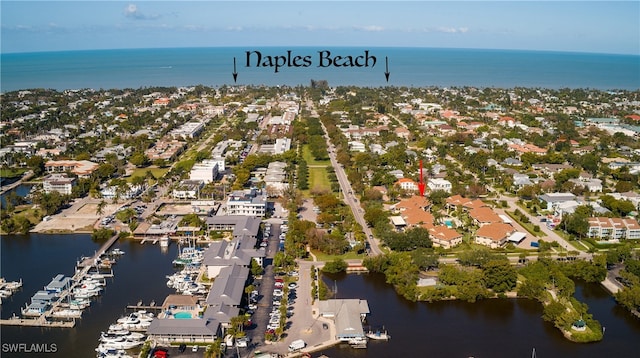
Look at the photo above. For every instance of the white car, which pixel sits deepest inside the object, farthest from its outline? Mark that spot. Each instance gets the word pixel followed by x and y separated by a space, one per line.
pixel 242 342
pixel 195 348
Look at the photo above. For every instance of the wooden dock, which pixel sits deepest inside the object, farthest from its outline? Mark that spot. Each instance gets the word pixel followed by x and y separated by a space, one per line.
pixel 107 245
pixel 140 306
pixel 36 322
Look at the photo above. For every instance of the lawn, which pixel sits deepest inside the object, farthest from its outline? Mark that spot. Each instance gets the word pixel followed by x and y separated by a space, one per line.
pixel 318 179
pixel 349 255
pixel 306 155
pixel 141 172
pixel 12 172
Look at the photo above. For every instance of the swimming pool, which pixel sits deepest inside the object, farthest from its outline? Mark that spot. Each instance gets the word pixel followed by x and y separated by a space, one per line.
pixel 449 223
pixel 182 315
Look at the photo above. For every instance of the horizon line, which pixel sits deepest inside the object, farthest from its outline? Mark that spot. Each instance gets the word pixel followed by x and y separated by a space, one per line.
pixel 2 53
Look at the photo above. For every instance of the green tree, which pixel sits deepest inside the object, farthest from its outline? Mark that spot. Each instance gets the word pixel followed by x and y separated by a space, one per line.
pixel 335 266
pixel 100 207
pixel 139 159
pixel 36 163
pixel 499 275
pixel 425 258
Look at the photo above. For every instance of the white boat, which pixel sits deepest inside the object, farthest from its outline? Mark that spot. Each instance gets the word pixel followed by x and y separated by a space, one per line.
pixel 13 285
pixel 5 293
pixel 378 335
pixel 144 315
pixel 116 252
pixel 93 282
pixel 358 342
pixel 130 319
pixel 68 313
pixel 110 352
pixel 111 338
pixel 164 241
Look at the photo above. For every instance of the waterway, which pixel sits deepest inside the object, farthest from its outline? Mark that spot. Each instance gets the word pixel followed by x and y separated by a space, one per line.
pixel 489 328
pixel 21 190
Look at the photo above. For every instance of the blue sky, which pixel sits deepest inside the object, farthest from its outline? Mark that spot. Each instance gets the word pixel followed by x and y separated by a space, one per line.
pixel 577 26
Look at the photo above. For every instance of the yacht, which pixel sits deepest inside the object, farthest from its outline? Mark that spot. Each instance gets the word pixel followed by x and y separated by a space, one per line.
pixel 164 241
pixel 378 335
pixel 68 313
pixel 111 352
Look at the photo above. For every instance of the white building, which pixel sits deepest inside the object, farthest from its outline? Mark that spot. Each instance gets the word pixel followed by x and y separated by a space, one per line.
pixel 207 171
pixel 58 182
pixel 112 191
pixel 439 184
pixel 188 189
pixel 357 146
pixel 188 130
pixel 251 202
pixel 282 145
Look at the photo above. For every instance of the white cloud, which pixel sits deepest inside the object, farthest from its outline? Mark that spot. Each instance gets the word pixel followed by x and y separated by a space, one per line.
pixel 132 12
pixel 369 28
pixel 452 30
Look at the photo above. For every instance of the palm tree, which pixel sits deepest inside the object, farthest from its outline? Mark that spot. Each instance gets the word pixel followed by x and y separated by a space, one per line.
pixel 100 207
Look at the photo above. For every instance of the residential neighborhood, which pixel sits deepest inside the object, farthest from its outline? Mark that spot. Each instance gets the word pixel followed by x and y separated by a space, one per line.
pixel 448 185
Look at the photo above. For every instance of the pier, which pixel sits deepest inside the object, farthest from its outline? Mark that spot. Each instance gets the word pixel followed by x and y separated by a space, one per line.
pixel 87 263
pixel 36 322
pixel 141 307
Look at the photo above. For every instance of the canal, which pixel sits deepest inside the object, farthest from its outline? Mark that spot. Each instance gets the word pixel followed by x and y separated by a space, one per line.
pixel 489 328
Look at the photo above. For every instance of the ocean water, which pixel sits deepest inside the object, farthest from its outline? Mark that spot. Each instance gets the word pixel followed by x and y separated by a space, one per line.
pixel 417 67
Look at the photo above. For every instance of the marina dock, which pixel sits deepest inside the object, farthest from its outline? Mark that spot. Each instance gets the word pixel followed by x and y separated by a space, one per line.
pixel 103 249
pixel 140 306
pixel 36 322
pixel 63 288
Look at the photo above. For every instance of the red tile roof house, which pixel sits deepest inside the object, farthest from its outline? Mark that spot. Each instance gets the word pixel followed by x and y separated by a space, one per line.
pixel 494 235
pixel 453 202
pixel 484 216
pixel 414 211
pixel 604 228
pixel 444 237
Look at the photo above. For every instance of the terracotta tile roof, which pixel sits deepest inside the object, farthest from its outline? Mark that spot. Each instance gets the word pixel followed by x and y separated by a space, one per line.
pixel 442 232
pixel 416 216
pixel 484 215
pixel 413 201
pixel 458 200
pixel 617 223
pixel 495 231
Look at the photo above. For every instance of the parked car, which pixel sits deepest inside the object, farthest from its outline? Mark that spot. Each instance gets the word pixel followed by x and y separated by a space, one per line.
pixel 242 342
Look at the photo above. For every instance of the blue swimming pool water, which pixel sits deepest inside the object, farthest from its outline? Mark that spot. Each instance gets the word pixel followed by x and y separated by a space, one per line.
pixel 182 315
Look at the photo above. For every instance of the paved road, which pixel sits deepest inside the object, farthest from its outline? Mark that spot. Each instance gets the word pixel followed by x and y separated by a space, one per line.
pixel 350 199
pixel 261 316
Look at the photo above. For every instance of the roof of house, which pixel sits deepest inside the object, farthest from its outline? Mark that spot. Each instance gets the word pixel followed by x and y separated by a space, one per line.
pixel 180 300
pixel 458 200
pixel 182 327
pixel 617 223
pixel 484 215
pixel 415 201
pixel 228 287
pixel 495 231
pixel 222 312
pixel 443 233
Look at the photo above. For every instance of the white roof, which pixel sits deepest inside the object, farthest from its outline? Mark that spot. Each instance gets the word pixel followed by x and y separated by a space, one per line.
pixel 517 237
